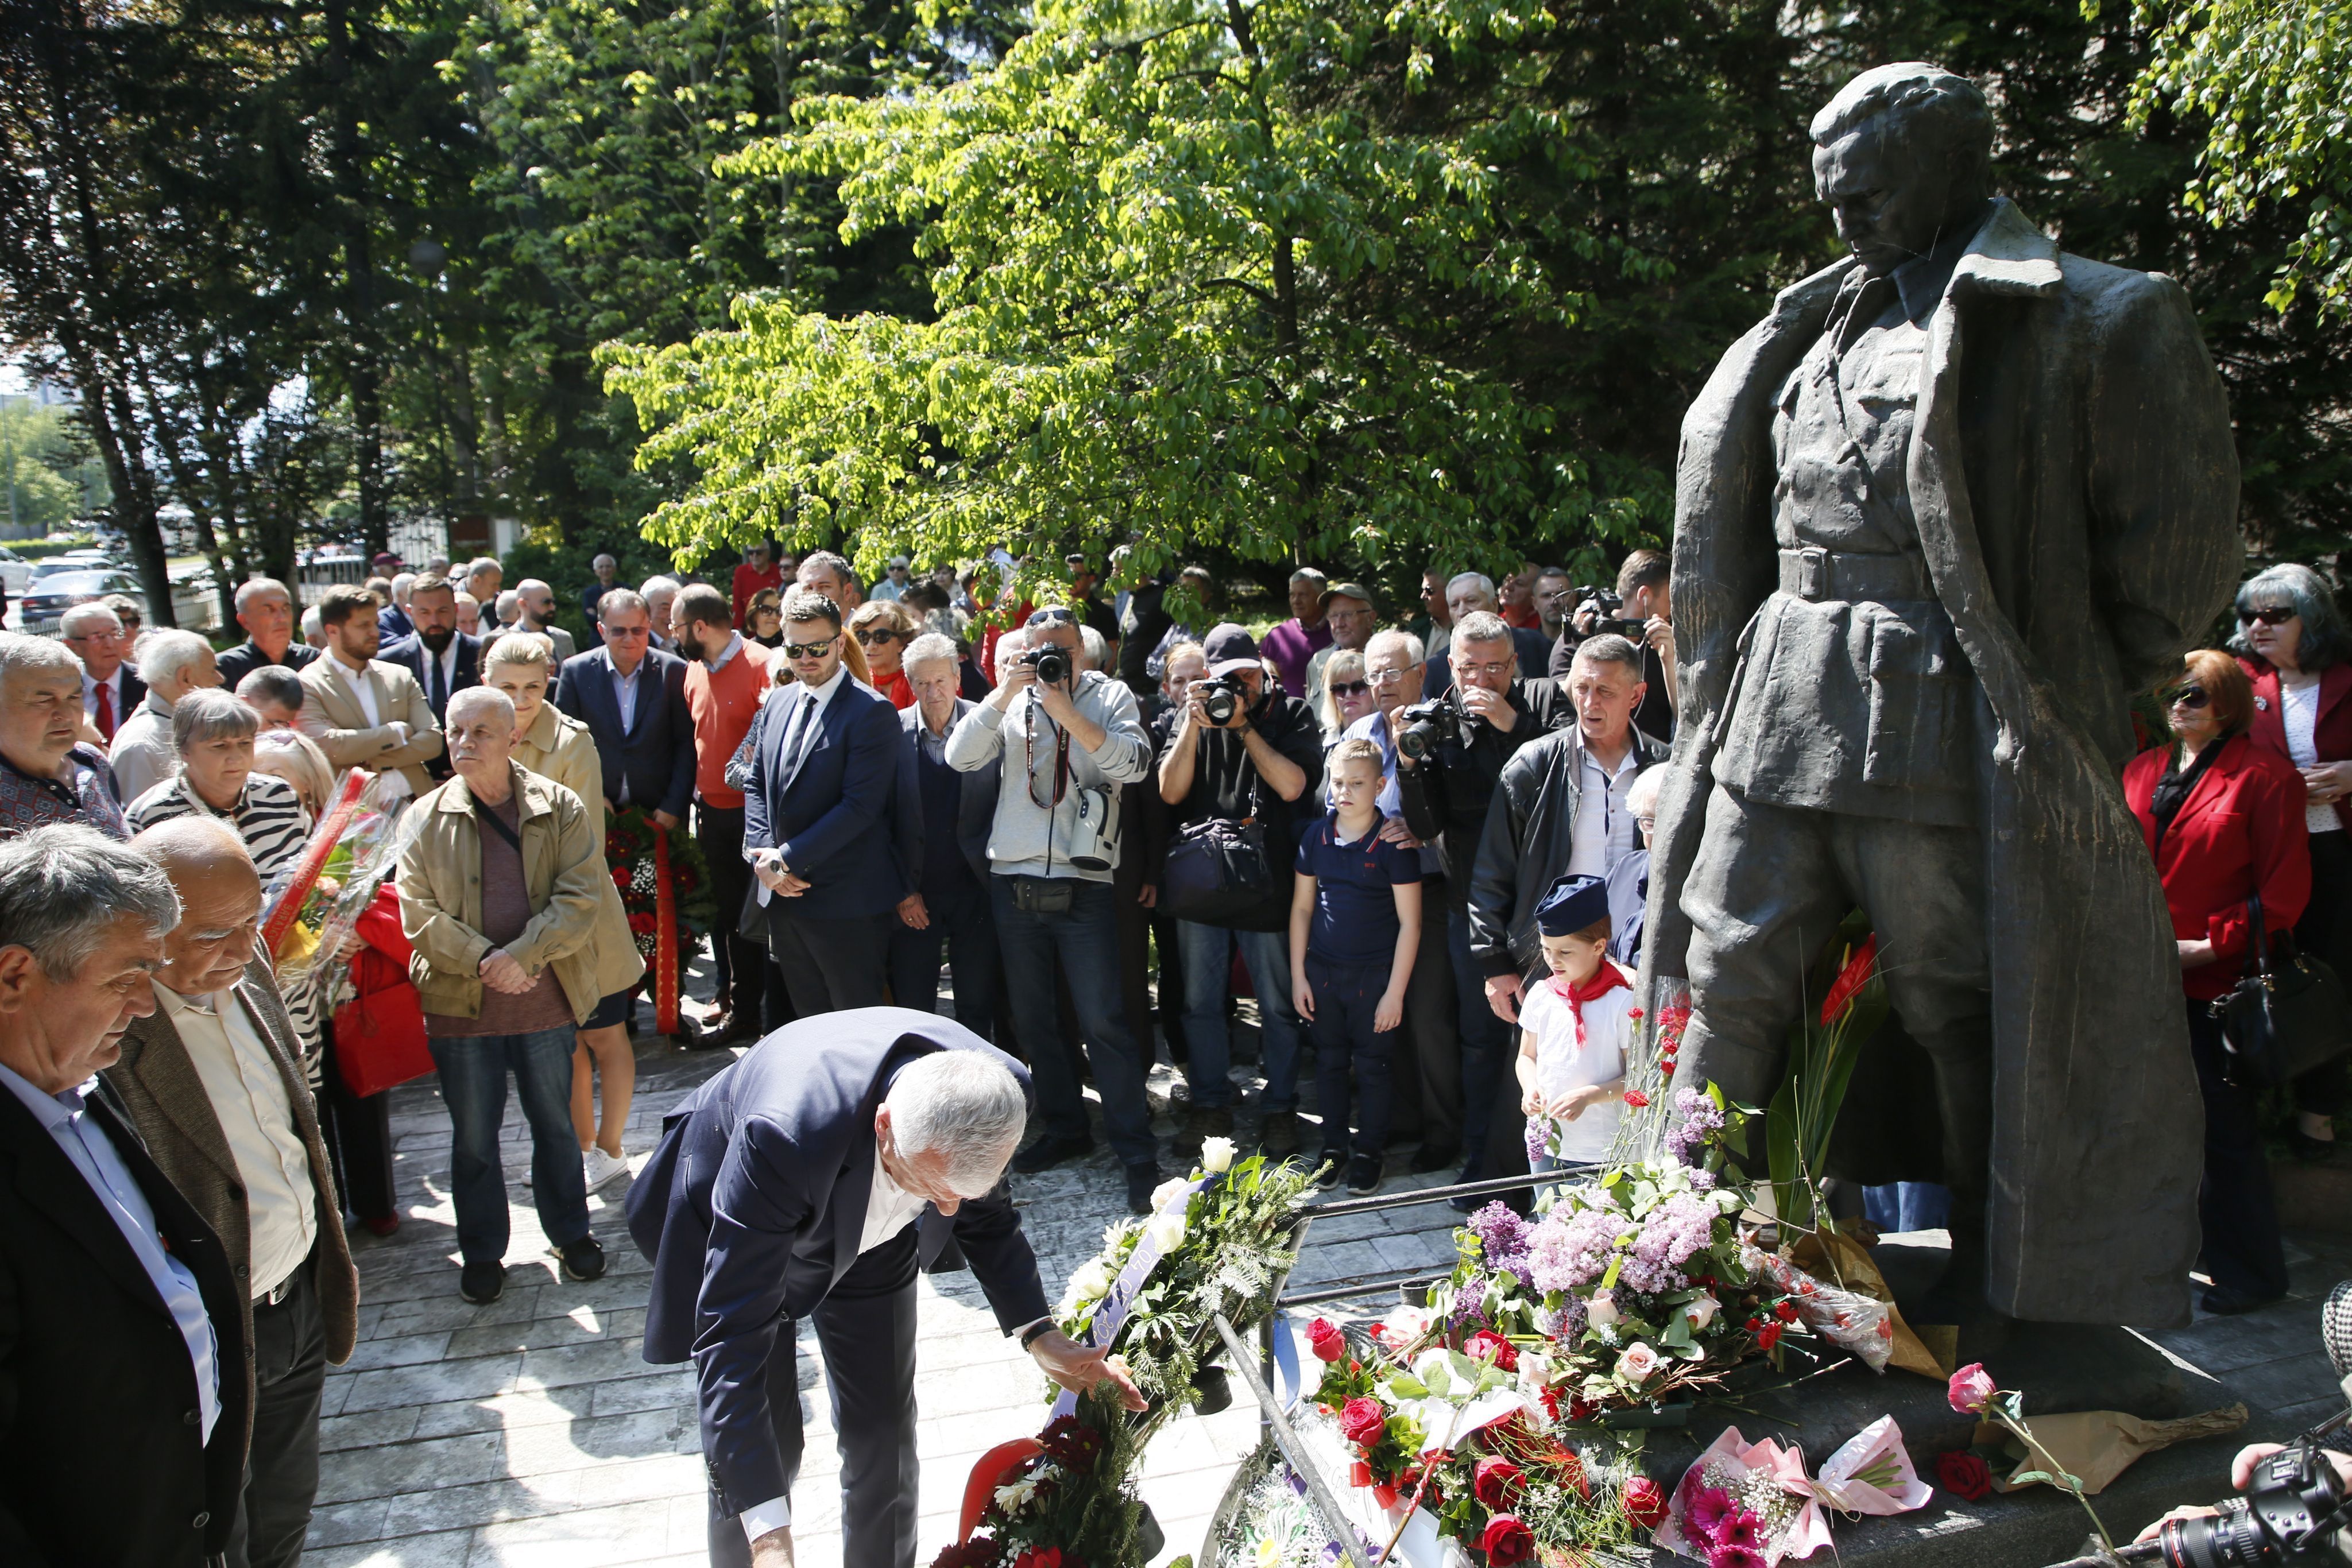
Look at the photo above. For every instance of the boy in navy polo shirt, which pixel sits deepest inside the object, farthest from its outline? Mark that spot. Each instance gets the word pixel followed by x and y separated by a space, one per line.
pixel 1355 926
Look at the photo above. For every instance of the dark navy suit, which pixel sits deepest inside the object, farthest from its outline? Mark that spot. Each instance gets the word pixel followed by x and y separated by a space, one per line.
pixel 944 820
pixel 411 654
pixel 753 1211
pixel 656 754
pixel 831 800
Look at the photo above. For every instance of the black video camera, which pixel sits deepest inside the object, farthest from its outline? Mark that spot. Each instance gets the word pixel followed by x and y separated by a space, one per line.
pixel 1053 664
pixel 1222 698
pixel 1422 727
pixel 1609 607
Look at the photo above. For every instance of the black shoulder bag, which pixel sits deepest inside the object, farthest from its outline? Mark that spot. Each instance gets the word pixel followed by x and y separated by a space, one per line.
pixel 1219 873
pixel 2281 1020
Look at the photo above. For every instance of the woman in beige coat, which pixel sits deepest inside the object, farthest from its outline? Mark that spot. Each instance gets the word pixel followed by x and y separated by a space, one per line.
pixel 557 746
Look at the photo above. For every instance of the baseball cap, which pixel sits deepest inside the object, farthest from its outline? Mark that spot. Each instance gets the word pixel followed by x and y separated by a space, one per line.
pixel 1347 590
pixel 1230 648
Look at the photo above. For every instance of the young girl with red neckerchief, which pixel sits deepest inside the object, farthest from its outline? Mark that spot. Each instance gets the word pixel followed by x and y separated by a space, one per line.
pixel 1574 1031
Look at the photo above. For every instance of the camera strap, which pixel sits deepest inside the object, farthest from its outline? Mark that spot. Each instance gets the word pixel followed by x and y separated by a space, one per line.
pixel 1029 757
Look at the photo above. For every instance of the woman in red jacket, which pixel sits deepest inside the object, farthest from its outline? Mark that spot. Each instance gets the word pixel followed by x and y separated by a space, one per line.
pixel 2291 640
pixel 2224 819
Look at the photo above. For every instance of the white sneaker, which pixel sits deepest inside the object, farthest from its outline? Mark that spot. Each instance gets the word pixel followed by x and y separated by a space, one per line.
pixel 601 1167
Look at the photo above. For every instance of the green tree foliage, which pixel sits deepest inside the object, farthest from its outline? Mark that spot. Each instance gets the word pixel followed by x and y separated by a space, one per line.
pixel 2266 79
pixel 49 476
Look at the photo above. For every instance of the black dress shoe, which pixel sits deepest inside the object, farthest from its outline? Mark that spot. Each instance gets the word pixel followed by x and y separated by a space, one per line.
pixel 2223 1301
pixel 1435 1157
pixel 482 1283
pixel 1333 1164
pixel 1140 1181
pixel 1047 1151
pixel 583 1260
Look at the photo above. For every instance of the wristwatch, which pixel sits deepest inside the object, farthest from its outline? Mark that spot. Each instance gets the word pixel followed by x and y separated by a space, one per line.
pixel 1036 1332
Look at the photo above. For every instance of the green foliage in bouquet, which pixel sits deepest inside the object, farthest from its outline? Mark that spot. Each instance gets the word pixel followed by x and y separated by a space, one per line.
pixel 1224 1236
pixel 1822 1050
pixel 629 849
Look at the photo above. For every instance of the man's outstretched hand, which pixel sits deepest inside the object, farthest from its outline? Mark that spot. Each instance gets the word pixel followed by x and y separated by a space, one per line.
pixel 1078 1368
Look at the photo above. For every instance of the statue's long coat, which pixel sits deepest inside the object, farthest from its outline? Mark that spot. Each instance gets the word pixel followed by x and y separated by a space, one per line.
pixel 2075 491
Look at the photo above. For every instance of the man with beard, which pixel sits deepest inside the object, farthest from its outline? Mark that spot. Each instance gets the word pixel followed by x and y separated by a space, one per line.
pixel 444 660
pixel 726 679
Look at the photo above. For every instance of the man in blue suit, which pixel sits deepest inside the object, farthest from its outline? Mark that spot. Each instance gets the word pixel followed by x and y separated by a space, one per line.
pixel 821 826
pixel 632 697
pixel 810 1180
pixel 444 660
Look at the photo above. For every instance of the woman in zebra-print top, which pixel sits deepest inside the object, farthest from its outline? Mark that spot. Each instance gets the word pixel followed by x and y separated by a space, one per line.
pixel 212 733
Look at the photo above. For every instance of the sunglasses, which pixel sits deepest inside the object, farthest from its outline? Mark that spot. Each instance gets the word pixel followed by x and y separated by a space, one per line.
pixel 2190 697
pixel 810 650
pixel 1351 688
pixel 1052 618
pixel 873 636
pixel 2268 614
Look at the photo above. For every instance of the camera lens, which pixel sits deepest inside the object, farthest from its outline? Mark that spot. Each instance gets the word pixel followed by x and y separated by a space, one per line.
pixel 2232 1538
pixel 1052 665
pixel 1218 704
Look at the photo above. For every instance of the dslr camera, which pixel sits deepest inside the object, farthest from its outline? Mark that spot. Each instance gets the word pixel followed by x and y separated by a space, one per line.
pixel 1051 664
pixel 1610 607
pixel 2290 1514
pixel 1422 727
pixel 1222 698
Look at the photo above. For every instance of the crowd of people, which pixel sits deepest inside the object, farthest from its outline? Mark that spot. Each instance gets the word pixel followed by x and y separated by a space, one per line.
pixel 1417 835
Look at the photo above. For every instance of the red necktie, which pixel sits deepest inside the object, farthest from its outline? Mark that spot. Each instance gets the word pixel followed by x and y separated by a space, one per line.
pixel 106 710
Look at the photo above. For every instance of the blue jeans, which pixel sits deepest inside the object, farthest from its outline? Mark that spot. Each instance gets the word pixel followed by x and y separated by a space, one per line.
pixel 1084 940
pixel 1907 1205
pixel 1347 998
pixel 1484 1040
pixel 474 1084
pixel 1207 960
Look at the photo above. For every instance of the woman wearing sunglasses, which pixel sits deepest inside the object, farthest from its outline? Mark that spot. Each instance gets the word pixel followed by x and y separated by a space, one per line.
pixel 763 622
pixel 1346 694
pixel 2294 643
pixel 884 628
pixel 2224 819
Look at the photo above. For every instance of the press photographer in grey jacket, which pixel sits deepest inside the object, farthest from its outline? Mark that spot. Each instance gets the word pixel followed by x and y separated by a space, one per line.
pixel 1075 737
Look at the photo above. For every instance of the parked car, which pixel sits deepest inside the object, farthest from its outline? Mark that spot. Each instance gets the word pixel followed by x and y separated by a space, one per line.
pixel 15 571
pixel 51 596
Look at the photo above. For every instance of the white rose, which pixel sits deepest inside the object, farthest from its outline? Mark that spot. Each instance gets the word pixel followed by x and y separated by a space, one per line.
pixel 1406 1322
pixel 1175 1189
pixel 1167 1229
pixel 1091 1282
pixel 1534 1369
pixel 1702 1312
pixel 1637 1364
pixel 1602 1311
pixel 1216 1155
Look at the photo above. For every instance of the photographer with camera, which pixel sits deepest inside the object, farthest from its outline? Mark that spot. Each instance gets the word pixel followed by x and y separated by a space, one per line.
pixel 1075 737
pixel 1240 756
pixel 1471 593
pixel 1641 611
pixel 1451 751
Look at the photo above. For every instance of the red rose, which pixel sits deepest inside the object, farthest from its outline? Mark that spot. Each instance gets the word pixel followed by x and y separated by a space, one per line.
pixel 1507 1540
pixel 1488 1345
pixel 1363 1421
pixel 1636 1098
pixel 1785 1312
pixel 1963 1475
pixel 1645 1502
pixel 1326 1341
pixel 621 877
pixel 642 923
pixel 1039 1557
pixel 1495 1480
pixel 1769 1335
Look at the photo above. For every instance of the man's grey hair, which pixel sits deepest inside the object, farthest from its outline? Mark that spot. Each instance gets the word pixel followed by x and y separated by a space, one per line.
pixel 21 654
pixel 1641 800
pixel 623 601
pixel 1009 649
pixel 63 888
pixel 254 588
pixel 402 581
pixel 930 648
pixel 1482 626
pixel 72 622
pixel 603 561
pixel 654 586
pixel 838 565
pixel 1097 645
pixel 472 697
pixel 965 1106
pixel 1308 574
pixel 1405 642
pixel 272 684
pixel 1485 586
pixel 510 605
pixel 166 654
pixel 312 626
pixel 207 715
pixel 1607 648
pixel 1946 113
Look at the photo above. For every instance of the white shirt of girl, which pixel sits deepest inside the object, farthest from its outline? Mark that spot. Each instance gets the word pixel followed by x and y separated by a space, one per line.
pixel 1562 1067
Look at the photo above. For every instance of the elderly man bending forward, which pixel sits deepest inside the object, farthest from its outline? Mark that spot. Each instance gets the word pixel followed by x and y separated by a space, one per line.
pixel 810 1180
pixel 502 895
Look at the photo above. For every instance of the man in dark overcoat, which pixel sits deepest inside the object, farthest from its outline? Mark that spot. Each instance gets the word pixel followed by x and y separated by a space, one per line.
pixel 1938 517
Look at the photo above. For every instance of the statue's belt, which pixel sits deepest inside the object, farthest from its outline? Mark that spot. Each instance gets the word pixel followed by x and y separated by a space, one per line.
pixel 1816 574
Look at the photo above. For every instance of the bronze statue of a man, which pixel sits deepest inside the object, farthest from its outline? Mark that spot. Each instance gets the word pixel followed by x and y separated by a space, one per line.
pixel 1938 517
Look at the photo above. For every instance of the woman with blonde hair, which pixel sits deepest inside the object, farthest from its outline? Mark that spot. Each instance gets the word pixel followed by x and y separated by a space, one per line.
pixel 291 755
pixel 1347 693
pixel 883 628
pixel 556 745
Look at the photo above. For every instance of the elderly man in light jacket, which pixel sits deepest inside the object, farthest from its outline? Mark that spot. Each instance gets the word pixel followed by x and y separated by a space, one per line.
pixel 518 935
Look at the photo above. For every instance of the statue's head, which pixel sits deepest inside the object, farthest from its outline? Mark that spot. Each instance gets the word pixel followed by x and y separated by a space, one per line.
pixel 1903 155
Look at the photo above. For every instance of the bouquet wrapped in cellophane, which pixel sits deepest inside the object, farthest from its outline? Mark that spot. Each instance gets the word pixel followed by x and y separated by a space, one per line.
pixel 309 913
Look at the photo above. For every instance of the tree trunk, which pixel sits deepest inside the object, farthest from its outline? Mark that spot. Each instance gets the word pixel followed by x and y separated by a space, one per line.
pixel 363 369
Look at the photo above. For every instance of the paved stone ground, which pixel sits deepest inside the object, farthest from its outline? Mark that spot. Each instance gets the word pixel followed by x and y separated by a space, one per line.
pixel 531 1431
